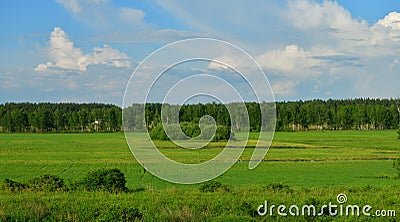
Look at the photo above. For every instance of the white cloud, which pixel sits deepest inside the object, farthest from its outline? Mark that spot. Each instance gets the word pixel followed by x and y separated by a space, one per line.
pixel 249 25
pixel 76 5
pixel 114 23
pixel 108 56
pixel 386 31
pixel 328 25
pixel 157 35
pixel 284 88
pixel 131 15
pixel 293 61
pixel 105 16
pixel 71 5
pixel 302 45
pixel 307 14
pixel 392 20
pixel 64 55
pixel 229 61
pixel 305 44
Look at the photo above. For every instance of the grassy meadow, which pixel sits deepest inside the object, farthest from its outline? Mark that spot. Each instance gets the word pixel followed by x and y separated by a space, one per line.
pixel 300 168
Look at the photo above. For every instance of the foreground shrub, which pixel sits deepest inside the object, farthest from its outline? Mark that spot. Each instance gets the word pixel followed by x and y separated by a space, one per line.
pixel 212 186
pixel 14 185
pixel 47 183
pixel 277 187
pixel 119 213
pixel 249 209
pixel 111 180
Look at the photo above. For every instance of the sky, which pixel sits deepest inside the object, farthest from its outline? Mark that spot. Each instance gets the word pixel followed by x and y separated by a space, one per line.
pixel 86 50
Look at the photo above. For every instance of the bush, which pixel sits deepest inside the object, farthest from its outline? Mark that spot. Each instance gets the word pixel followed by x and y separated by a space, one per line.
pixel 158 133
pixel 47 183
pixel 277 186
pixel 14 185
pixel 212 186
pixel 191 130
pixel 249 209
pixel 119 213
pixel 223 133
pixel 111 180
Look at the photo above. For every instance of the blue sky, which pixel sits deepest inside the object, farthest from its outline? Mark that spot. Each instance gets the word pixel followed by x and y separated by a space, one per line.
pixel 86 50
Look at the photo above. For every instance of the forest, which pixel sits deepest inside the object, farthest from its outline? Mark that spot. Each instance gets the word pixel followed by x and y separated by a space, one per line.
pixel 356 114
pixel 59 117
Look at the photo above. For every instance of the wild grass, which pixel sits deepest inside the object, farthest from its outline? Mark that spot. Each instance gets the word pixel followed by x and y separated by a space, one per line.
pixel 300 167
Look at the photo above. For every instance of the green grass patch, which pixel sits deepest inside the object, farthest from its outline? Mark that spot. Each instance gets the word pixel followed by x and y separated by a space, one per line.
pixel 299 167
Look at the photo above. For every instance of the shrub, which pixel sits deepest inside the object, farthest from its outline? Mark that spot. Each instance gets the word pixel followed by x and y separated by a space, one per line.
pixel 158 133
pixel 191 130
pixel 14 185
pixel 119 213
pixel 212 186
pixel 248 209
pixel 139 189
pixel 223 133
pixel 47 183
pixel 277 186
pixel 111 180
pixel 174 133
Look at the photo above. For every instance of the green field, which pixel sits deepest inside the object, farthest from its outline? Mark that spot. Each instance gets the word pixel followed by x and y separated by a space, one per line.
pixel 310 166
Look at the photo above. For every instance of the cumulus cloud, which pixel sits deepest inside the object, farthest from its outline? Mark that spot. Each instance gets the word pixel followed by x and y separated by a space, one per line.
pixel 392 20
pixel 306 43
pixel 307 14
pixel 330 26
pixel 64 55
pixel 387 30
pixel 292 61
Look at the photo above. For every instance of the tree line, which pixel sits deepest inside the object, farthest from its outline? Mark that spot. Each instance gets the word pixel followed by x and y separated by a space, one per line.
pixel 346 114
pixel 60 117
pixel 358 114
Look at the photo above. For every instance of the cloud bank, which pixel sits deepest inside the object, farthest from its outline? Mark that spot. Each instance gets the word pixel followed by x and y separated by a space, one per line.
pixel 308 48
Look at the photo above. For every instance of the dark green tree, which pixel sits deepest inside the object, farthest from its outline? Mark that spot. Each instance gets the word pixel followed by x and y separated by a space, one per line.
pixel 7 123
